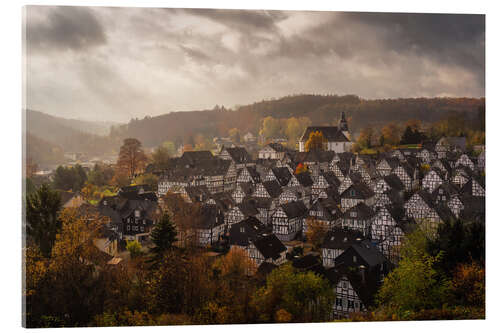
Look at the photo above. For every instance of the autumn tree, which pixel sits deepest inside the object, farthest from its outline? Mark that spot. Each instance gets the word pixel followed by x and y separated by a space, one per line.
pixel 134 248
pixel 185 216
pixel 304 295
pixel 235 135
pixel 71 291
pixel 160 158
pixel 316 232
pixel 147 178
pixel 42 224
pixel 316 141
pixel 294 127
pixel 468 284
pixel 391 133
pixel 300 168
pixel 270 127
pixel 415 284
pixel 366 138
pixel 131 159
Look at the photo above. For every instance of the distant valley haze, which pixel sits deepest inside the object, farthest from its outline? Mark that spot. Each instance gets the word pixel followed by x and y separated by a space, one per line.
pixel 115 64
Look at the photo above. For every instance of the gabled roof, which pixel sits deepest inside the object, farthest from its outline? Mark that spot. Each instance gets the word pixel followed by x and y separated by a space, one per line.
pixel 341 238
pixel 242 233
pixel 248 209
pixel 331 178
pixel 197 193
pixel 277 147
pixel 273 188
pixel 239 155
pixel 330 133
pixel 304 179
pixel 363 212
pixel 365 288
pixel 269 246
pixel 358 191
pixel 367 251
pixel 211 216
pixel 282 175
pixel 394 182
pixel 426 197
pixel 309 262
pixel 252 170
pixel 294 209
pixel 444 213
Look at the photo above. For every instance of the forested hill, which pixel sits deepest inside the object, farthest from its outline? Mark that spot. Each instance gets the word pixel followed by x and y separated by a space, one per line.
pixel 320 109
pixel 46 132
pixel 37 118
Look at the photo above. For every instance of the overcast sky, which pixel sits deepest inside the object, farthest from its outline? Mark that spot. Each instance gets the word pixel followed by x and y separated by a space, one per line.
pixel 117 63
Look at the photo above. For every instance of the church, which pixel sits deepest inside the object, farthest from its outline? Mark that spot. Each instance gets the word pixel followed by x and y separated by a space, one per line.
pixel 338 138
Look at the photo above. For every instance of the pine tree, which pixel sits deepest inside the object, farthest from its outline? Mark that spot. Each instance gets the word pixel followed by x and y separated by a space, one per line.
pixel 164 235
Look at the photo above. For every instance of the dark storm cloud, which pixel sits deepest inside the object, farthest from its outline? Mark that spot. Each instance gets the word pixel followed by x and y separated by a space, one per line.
pixel 151 61
pixel 63 28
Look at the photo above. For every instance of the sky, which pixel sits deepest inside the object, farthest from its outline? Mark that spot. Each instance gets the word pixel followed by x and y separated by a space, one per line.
pixel 114 64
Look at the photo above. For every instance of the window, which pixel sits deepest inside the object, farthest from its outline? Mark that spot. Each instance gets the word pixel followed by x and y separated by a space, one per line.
pixel 354 259
pixel 344 285
pixel 350 304
pixel 338 301
pixel 354 214
pixel 128 228
pixel 242 229
pixel 137 213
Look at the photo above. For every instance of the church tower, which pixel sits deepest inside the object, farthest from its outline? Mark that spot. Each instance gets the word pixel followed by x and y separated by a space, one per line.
pixel 343 126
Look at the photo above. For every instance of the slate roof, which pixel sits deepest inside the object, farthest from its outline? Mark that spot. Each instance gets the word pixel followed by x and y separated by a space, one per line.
pixel 269 246
pixel 341 238
pixel 329 205
pixel 358 191
pixel 198 193
pixel 252 170
pixel 363 212
pixel 282 175
pixel 273 188
pixel 294 209
pixel 243 232
pixel 247 208
pixel 304 179
pixel 394 182
pixel 331 178
pixel 367 251
pixel 330 133
pixel 277 147
pixel 239 155
pixel 309 262
pixel 366 291
pixel 211 216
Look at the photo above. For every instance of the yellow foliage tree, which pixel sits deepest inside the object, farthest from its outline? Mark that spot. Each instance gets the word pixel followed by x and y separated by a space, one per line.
pixel 316 141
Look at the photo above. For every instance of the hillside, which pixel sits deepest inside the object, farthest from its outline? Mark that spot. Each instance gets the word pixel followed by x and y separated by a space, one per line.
pixel 90 127
pixel 67 134
pixel 321 109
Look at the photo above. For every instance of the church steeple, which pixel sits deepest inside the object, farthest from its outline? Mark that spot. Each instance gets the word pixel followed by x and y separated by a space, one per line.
pixel 343 123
